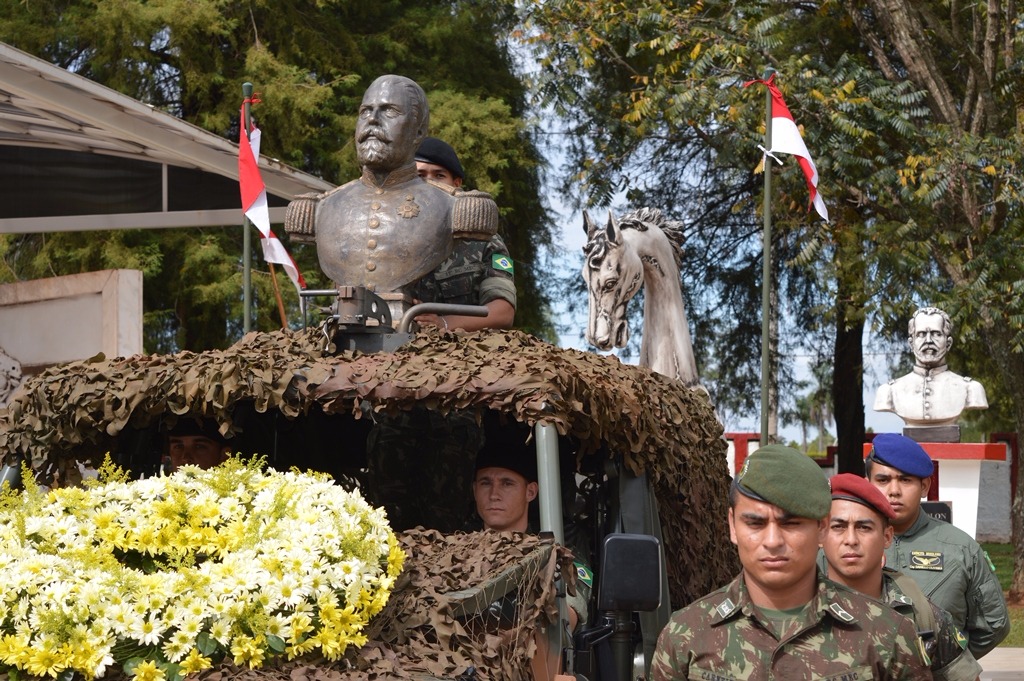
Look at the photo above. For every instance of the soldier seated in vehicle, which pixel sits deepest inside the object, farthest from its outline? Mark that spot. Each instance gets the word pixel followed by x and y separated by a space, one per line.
pixel 504 485
pixel 196 443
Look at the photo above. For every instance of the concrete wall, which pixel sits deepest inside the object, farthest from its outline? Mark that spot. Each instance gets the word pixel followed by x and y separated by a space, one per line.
pixel 48 321
pixel 994 501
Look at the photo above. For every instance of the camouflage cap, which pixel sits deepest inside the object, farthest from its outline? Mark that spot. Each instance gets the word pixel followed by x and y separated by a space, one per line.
pixel 786 478
pixel 855 488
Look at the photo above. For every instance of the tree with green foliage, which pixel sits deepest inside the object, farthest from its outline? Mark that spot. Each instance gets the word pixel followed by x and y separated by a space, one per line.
pixel 912 112
pixel 310 63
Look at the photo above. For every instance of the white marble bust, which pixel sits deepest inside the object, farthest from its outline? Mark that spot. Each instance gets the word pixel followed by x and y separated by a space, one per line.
pixel 931 395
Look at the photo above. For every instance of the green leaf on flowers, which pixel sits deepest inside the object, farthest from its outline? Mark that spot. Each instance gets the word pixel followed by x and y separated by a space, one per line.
pixel 207 644
pixel 131 663
pixel 275 643
pixel 172 671
pixel 68 675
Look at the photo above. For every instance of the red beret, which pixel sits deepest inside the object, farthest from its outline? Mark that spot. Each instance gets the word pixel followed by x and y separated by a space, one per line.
pixel 855 488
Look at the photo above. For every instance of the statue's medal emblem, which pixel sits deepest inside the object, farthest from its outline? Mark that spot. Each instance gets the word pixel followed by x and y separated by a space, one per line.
pixel 409 209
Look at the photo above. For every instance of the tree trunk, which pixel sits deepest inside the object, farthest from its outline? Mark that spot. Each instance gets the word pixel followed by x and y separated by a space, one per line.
pixel 848 391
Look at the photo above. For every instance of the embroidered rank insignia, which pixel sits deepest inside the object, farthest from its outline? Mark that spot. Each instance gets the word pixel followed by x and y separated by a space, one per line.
pixel 725 608
pixel 584 575
pixel 838 611
pixel 926 560
pixel 990 563
pixel 502 262
pixel 409 209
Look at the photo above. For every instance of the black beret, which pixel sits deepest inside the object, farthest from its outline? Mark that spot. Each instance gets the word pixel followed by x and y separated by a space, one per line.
pixel 507 452
pixel 190 427
pixel 440 153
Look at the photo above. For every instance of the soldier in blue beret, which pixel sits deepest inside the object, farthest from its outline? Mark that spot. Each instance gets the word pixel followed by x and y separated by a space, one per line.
pixel 780 618
pixel 952 569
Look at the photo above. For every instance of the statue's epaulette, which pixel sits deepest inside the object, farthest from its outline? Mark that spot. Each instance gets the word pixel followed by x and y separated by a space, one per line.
pixel 474 216
pixel 300 215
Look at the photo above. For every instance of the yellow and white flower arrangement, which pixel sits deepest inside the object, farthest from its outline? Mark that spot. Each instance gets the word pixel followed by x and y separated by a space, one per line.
pixel 169 575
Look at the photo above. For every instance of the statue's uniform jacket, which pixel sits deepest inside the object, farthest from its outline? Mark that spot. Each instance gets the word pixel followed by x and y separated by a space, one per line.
pixel 385 235
pixel 930 396
pixel 842 634
pixel 954 573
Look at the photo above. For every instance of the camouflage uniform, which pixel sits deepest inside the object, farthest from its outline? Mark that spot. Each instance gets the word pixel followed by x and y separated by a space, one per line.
pixel 843 635
pixel 956 575
pixel 476 273
pixel 945 645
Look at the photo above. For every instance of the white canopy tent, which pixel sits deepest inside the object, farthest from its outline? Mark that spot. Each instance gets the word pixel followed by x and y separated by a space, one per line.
pixel 75 155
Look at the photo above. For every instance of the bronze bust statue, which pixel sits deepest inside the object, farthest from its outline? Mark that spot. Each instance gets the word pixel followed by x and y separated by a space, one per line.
pixel 389 227
pixel 930 395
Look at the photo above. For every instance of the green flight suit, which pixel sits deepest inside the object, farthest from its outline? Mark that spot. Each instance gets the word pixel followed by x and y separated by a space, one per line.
pixel 956 575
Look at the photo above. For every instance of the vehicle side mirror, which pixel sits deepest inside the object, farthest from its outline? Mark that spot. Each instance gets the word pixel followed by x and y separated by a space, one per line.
pixel 630 577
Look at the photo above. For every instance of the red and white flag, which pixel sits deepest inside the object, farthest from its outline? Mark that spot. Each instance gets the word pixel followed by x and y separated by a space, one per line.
pixel 786 139
pixel 254 203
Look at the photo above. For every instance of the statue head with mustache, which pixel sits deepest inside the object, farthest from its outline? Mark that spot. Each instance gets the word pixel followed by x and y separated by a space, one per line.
pixel 393 120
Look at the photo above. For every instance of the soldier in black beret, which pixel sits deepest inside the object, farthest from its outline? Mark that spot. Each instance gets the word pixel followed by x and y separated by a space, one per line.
pixel 477 272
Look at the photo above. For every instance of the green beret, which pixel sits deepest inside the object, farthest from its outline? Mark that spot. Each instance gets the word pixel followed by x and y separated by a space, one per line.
pixel 788 479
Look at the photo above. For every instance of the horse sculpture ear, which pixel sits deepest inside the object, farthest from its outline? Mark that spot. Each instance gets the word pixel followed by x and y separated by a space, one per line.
pixel 612 230
pixel 588 225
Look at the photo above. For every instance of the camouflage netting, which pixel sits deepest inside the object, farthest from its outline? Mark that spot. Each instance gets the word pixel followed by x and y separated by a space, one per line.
pixel 659 426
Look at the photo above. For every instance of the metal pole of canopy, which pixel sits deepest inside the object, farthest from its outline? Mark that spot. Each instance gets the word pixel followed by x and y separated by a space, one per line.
pixel 548 481
pixel 766 275
pixel 246 232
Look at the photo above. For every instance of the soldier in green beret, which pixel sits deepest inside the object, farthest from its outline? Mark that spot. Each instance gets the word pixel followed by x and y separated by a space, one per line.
pixel 780 618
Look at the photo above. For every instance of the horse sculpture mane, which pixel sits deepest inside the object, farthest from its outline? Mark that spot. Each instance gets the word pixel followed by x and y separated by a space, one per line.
pixel 644 248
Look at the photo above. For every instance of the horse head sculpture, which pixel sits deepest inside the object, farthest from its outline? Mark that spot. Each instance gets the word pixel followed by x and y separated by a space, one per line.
pixel 614 275
pixel 644 248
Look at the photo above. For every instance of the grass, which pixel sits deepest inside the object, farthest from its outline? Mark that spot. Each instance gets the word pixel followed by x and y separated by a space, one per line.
pixel 1002 558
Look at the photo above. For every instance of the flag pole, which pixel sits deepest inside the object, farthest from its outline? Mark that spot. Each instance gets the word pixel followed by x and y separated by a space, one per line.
pixel 277 296
pixel 246 232
pixel 766 274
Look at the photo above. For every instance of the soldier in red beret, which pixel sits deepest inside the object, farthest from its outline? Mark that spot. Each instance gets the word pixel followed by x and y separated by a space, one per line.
pixel 859 531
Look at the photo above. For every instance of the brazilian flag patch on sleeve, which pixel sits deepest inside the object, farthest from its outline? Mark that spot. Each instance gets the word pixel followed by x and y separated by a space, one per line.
pixel 584 574
pixel 502 263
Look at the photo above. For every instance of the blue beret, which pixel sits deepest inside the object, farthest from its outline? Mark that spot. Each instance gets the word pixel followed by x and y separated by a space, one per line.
pixel 900 452
pixel 787 478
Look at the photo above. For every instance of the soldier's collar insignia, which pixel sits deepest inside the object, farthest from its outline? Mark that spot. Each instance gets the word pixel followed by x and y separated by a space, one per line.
pixel 726 608
pixel 838 611
pixel 926 560
pixel 902 599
